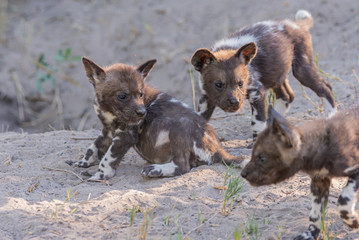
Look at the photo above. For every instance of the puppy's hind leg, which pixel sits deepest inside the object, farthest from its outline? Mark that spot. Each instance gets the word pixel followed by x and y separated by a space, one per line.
pixel 177 166
pixel 307 74
pixel 347 201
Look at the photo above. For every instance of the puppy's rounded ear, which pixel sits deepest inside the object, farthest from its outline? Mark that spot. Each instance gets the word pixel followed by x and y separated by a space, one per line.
pixel 93 71
pixel 202 58
pixel 247 52
pixel 146 68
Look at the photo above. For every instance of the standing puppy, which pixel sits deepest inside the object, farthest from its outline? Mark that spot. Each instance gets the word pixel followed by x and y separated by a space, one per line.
pixel 323 148
pixel 248 63
pixel 163 130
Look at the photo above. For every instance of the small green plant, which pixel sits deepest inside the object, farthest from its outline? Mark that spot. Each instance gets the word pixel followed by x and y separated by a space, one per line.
pixel 252 228
pixel 179 235
pixel 146 225
pixel 237 234
pixel 45 73
pixel 324 234
pixel 232 186
pixel 271 97
pixel 135 209
pixel 166 220
pixel 58 208
pixel 64 55
pixel 48 73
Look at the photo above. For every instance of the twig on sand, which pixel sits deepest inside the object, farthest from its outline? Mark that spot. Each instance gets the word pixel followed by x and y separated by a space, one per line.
pixel 82 138
pixel 194 229
pixel 225 116
pixel 64 170
pixel 95 180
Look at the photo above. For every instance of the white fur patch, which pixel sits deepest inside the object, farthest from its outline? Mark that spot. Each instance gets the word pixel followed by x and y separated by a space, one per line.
pixel 106 169
pixel 202 154
pixel 173 100
pixel 329 109
pixel 162 138
pixel 117 131
pixel 290 24
pixel 281 106
pixel 315 212
pixel 167 169
pixel 235 42
pixel 93 158
pixel 352 168
pixel 203 107
pixel 158 97
pixel 109 117
pixel 200 84
pixel 302 14
pixel 97 109
pixel 350 193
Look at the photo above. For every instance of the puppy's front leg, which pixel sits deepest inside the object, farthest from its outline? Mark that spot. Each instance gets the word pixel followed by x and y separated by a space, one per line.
pixel 320 192
pixel 205 107
pixel 95 151
pixel 121 143
pixel 256 97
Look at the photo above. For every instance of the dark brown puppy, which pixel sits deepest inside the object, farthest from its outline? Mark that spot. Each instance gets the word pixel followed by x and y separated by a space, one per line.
pixel 257 58
pixel 324 148
pixel 163 130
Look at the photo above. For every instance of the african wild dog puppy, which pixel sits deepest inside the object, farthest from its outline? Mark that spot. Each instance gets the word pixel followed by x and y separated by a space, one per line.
pixel 163 130
pixel 323 148
pixel 257 58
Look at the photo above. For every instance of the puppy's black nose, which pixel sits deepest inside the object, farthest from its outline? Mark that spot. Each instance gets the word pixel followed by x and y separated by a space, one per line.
pixel 244 173
pixel 232 102
pixel 141 111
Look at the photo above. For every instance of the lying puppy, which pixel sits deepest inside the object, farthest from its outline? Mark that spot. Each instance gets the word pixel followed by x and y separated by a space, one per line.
pixel 323 148
pixel 257 58
pixel 163 130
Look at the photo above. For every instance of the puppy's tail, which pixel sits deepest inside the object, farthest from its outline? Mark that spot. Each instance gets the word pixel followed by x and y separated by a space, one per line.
pixel 230 160
pixel 304 19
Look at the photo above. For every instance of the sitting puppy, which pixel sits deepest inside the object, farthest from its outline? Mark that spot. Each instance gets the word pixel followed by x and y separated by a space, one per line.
pixel 323 148
pixel 163 130
pixel 257 58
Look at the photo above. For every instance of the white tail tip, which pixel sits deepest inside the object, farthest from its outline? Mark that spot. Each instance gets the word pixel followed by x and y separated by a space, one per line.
pixel 302 14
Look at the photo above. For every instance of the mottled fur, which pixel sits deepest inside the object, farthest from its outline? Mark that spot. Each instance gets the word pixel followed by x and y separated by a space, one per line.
pixel 163 130
pixel 323 148
pixel 257 58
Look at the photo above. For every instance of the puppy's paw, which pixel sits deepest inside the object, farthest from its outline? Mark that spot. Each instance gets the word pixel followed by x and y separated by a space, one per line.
pixel 103 174
pixel 151 171
pixel 98 176
pixel 82 163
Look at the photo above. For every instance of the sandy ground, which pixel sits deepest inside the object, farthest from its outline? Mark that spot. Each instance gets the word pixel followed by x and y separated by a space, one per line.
pixel 33 195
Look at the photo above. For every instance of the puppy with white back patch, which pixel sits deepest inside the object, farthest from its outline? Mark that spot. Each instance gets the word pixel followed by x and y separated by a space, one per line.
pixel 164 131
pixel 257 58
pixel 322 148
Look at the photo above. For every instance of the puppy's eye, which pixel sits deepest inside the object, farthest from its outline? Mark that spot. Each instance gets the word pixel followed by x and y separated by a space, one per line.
pixel 122 96
pixel 240 84
pixel 261 159
pixel 141 94
pixel 218 84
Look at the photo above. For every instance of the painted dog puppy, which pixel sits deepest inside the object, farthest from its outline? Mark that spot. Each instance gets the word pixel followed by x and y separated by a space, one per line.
pixel 323 148
pixel 257 58
pixel 163 130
